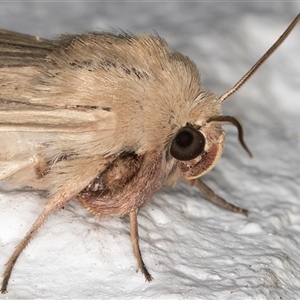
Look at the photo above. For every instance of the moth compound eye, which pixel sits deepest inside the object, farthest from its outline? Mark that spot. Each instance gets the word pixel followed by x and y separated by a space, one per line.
pixel 187 144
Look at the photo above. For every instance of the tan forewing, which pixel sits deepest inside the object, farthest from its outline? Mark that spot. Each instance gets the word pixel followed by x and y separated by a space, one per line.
pixel 36 137
pixel 17 49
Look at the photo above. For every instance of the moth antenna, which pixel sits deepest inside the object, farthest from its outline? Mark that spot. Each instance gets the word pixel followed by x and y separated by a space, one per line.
pixel 235 122
pixel 261 60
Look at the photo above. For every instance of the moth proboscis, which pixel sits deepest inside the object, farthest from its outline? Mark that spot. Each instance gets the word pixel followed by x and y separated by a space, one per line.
pixel 107 120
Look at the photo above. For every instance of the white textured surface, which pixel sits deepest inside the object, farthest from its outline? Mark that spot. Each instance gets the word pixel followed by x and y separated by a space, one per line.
pixel 192 248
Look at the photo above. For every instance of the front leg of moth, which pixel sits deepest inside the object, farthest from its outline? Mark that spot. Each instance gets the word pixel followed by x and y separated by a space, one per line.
pixel 210 195
pixel 135 243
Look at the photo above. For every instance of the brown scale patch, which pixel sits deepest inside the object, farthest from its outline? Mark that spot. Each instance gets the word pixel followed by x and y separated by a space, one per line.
pixel 195 167
pixel 111 182
pixel 81 107
pixel 127 184
pixel 41 168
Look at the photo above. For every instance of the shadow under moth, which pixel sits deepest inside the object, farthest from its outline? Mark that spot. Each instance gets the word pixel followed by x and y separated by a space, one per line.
pixel 107 120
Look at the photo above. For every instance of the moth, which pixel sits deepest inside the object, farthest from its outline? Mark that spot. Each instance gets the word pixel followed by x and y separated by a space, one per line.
pixel 107 119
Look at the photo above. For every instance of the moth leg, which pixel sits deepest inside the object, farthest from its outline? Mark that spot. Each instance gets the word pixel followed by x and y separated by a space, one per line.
pixel 135 242
pixel 53 204
pixel 210 194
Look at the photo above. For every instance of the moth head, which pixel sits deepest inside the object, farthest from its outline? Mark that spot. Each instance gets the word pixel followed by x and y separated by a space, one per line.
pixel 198 148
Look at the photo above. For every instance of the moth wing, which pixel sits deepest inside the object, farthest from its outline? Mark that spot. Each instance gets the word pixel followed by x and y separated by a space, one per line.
pixel 35 140
pixel 17 49
pixel 59 110
pixel 21 117
pixel 47 134
pixel 7 169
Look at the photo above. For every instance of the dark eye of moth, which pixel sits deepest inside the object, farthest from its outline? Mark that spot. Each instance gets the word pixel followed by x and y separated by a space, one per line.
pixel 187 144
